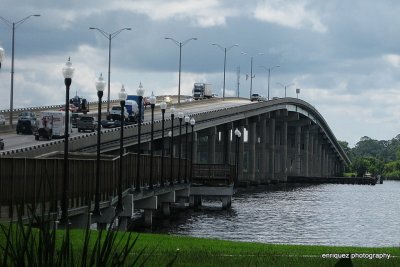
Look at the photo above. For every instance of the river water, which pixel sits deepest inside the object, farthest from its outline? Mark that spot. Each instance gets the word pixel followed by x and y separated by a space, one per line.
pixel 326 214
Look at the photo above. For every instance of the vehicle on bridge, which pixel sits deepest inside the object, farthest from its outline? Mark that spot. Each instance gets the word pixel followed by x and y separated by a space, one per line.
pixel 1 144
pixel 255 97
pixel 202 90
pixel 2 120
pixel 80 103
pixel 51 125
pixel 86 123
pixel 26 123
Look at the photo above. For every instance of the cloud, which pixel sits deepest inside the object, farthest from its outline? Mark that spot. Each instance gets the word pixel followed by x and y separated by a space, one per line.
pixel 290 14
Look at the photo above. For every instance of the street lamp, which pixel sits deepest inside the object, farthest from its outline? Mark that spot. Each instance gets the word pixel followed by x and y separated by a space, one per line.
pixel 122 97
pixel 100 84
pixel 163 107
pixel 13 25
pixel 109 36
pixel 238 134
pixel 1 55
pixel 180 116
pixel 286 86
pixel 192 123
pixel 171 182
pixel 140 93
pixel 269 74
pixel 180 44
pixel 297 92
pixel 224 49
pixel 68 73
pixel 187 120
pixel 251 71
pixel 152 105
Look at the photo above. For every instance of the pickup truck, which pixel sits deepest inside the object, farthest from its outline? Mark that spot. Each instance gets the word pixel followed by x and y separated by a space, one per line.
pixel 115 113
pixel 86 123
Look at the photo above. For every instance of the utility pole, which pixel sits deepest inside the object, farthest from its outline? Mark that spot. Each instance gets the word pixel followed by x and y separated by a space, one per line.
pixel 238 81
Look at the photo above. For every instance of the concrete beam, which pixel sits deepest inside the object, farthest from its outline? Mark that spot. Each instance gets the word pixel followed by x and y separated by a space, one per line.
pixel 147 203
pixel 167 197
pixel 211 191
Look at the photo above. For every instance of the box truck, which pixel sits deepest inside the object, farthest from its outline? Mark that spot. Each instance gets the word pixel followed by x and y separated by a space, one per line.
pixel 51 125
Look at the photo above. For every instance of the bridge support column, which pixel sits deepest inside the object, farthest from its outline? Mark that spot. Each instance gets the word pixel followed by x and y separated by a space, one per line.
pixel 251 150
pixel 211 145
pixel 263 176
pixel 148 205
pixel 271 150
pixel 283 171
pixel 195 147
pixel 297 158
pixel 226 202
pixel 306 152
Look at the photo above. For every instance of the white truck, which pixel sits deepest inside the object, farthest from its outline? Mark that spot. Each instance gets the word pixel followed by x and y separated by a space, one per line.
pixel 51 124
pixel 202 90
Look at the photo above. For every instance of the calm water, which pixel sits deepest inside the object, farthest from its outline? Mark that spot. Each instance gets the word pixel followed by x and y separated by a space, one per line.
pixel 330 214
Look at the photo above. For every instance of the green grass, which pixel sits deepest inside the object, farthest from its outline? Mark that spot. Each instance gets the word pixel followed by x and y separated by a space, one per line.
pixel 191 251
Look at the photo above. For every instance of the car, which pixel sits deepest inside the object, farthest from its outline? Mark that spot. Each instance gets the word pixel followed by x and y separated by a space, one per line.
pixel 2 120
pixel 74 119
pixel 27 122
pixel 254 97
pixel 86 123
pixel 146 101
pixel 1 144
pixel 189 99
pixel 214 95
pixel 167 99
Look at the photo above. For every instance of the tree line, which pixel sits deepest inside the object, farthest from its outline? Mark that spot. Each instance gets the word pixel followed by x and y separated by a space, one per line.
pixel 376 157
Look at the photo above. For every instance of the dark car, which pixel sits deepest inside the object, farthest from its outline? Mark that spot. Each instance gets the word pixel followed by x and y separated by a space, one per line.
pixel 26 126
pixel 74 119
pixel 1 144
pixel 86 123
pixel 254 97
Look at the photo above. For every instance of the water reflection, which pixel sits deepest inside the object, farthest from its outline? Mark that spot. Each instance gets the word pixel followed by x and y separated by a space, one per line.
pixel 330 214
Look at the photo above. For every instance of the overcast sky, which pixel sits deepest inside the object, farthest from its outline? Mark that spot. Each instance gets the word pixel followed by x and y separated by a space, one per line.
pixel 343 55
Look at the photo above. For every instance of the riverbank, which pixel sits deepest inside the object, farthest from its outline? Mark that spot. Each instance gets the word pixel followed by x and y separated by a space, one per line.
pixel 190 251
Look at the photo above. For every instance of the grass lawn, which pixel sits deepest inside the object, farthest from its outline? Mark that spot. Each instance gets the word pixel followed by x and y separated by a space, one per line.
pixel 189 251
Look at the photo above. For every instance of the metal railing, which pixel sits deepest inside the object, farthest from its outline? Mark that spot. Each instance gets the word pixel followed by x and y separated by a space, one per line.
pixel 213 174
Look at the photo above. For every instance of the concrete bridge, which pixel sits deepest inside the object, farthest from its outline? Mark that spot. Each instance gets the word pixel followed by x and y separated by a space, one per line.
pixel 281 138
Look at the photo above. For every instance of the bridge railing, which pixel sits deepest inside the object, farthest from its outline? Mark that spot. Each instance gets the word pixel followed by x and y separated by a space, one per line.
pixel 213 174
pixel 38 182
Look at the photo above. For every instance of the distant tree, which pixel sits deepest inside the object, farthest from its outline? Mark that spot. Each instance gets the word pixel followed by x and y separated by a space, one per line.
pixel 360 166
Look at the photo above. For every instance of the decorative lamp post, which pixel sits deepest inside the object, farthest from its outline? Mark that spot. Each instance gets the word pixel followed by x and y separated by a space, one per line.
pixel 109 36
pixel 122 97
pixel 171 182
pixel 1 55
pixel 68 73
pixel 152 105
pixel 192 123
pixel 297 93
pixel 13 26
pixel 224 49
pixel 187 120
pixel 180 116
pixel 286 86
pixel 180 44
pixel 140 93
pixel 238 134
pixel 163 107
pixel 100 84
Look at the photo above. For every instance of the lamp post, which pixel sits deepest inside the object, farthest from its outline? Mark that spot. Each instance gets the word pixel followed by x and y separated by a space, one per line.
pixel 238 134
pixel 122 97
pixel 163 107
pixel 140 93
pixel 269 74
pixel 224 49
pixel 251 71
pixel 109 36
pixel 192 123
pixel 286 86
pixel 187 120
pixel 1 55
pixel 152 105
pixel 100 84
pixel 180 44
pixel 171 182
pixel 68 73
pixel 180 116
pixel 297 93
pixel 13 26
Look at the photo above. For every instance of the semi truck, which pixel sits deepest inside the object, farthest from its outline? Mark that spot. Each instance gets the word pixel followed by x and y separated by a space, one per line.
pixel 202 90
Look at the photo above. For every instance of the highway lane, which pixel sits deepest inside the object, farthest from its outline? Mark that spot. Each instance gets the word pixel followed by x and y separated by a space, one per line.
pixel 14 141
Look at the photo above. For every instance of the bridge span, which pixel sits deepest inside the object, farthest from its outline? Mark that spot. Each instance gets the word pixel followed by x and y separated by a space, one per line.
pixel 281 138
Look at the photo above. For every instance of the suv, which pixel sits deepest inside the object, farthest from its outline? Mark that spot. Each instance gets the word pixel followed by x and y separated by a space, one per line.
pixel 86 123
pixel 26 122
pixel 115 113
pixel 2 120
pixel 254 97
